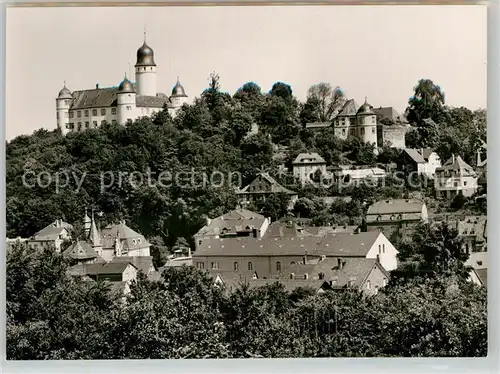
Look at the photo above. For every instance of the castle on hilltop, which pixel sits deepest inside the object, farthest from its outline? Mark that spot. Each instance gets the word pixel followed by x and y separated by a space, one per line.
pixel 87 109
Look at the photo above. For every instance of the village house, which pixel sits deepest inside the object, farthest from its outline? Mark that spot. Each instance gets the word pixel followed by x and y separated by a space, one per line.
pixel 318 126
pixel 364 274
pixel 121 240
pixel 421 161
pixel 262 187
pixel 473 229
pixel 478 261
pixel 455 177
pixel 236 223
pixel 270 257
pixel 142 263
pixel 396 216
pixel 52 235
pixel 119 274
pixel 306 165
pixel 391 127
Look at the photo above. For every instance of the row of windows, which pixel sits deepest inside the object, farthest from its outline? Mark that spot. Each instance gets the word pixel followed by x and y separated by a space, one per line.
pixel 353 131
pixel 94 112
pixel 343 121
pixel 381 248
pixel 236 266
pixel 71 125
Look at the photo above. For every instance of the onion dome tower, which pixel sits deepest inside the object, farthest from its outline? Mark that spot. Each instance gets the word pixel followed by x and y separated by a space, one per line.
pixel 178 96
pixel 126 101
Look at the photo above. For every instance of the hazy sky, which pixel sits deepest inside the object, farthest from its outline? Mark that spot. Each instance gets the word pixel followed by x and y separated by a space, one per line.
pixel 375 51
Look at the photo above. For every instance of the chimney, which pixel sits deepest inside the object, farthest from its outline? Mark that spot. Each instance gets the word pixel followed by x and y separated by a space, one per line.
pixel 453 158
pixel 97 86
pixel 189 251
pixel 254 232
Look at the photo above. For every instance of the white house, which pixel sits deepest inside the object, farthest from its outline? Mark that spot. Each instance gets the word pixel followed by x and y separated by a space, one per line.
pixel 306 165
pixel 363 244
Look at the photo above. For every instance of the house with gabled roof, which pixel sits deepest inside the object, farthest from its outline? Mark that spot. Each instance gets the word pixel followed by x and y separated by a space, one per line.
pixel 364 274
pixel 51 235
pixel 261 188
pixel 142 263
pixel 121 240
pixel 396 215
pixel 306 165
pixel 422 161
pixel 233 224
pixel 455 177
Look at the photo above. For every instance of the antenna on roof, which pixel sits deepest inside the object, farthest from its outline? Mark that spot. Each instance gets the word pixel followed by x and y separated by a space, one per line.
pixel 129 71
pixel 144 33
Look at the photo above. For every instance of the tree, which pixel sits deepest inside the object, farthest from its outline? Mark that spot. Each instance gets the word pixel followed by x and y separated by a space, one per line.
pixel 426 102
pixel 275 206
pixel 281 90
pixel 326 101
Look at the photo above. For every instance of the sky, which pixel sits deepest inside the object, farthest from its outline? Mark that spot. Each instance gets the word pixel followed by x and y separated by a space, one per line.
pixel 378 52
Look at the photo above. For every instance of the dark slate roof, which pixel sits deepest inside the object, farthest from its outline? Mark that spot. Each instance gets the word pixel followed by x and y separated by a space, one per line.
pixel 143 263
pixel 350 108
pixel 95 98
pixel 395 206
pixel 107 97
pixel 100 269
pixel 356 269
pixel 285 229
pixel 126 236
pixel 232 222
pixel 245 246
pixel 152 101
pixel 318 125
pixel 347 244
pixel 456 163
pixel 275 186
pixel 339 244
pixel 483 276
pixel 52 231
pixel 389 112
pixel 415 155
pixel 80 250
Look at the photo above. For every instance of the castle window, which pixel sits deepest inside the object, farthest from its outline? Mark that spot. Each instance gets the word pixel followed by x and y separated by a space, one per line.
pixel 465 183
pixel 200 265
pixel 383 248
pixel 215 265
pixel 86 125
pixel 368 285
pixel 57 115
pixel 94 123
pixel 79 113
pixel 250 266
pixel 362 131
pixel 86 113
pixel 68 125
pixel 94 112
pixel 343 131
pixel 278 266
pixel 79 126
pixel 113 110
pixel 373 130
pixel 235 266
pixel 70 114
pixel 103 112
pixel 129 107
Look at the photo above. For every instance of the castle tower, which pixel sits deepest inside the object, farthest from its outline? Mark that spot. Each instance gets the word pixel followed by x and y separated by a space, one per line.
pixel 126 101
pixel 145 71
pixel 178 96
pixel 63 103
pixel 367 123
pixel 94 238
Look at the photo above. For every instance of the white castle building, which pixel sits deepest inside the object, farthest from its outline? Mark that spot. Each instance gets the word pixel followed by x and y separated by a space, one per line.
pixel 86 109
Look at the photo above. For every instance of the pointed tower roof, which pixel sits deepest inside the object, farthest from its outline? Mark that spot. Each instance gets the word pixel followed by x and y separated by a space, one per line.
pixel 94 234
pixel 178 90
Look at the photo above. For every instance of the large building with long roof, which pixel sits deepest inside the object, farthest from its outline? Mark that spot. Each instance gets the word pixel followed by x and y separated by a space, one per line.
pixel 87 109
